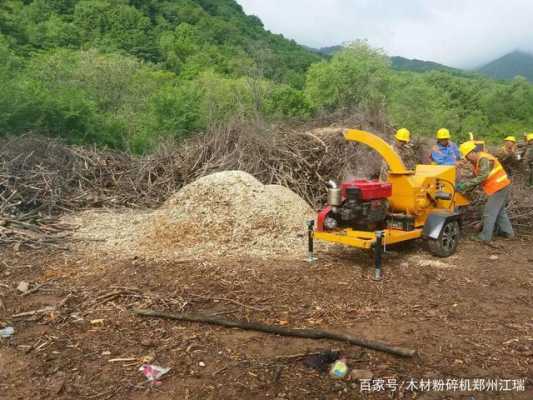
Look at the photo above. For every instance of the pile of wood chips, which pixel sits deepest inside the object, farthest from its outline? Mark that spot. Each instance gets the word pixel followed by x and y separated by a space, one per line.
pixel 225 213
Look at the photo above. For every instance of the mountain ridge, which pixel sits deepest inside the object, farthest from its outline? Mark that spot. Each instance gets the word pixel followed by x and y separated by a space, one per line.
pixel 515 63
pixel 510 65
pixel 398 63
pixel 413 64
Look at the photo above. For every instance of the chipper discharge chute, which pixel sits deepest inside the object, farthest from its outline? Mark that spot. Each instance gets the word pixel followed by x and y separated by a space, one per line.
pixel 412 204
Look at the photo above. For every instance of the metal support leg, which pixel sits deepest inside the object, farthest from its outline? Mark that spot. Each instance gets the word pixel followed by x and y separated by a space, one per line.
pixel 310 242
pixel 378 252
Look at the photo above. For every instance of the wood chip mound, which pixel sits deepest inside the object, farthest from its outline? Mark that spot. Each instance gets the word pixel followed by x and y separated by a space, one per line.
pixel 425 262
pixel 226 213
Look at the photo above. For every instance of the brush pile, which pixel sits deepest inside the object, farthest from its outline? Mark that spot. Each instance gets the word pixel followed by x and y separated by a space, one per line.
pixel 519 209
pixel 41 178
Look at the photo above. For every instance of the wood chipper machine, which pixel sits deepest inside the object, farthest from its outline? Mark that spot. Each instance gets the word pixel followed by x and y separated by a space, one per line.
pixel 411 205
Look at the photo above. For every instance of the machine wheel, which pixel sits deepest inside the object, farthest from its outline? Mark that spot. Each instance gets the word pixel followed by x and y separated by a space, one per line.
pixel 447 242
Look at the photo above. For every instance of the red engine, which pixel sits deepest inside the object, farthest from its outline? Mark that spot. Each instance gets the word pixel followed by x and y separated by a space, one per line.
pixel 357 204
pixel 369 190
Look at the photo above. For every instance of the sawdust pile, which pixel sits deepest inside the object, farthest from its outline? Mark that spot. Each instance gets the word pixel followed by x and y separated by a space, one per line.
pixel 421 260
pixel 226 213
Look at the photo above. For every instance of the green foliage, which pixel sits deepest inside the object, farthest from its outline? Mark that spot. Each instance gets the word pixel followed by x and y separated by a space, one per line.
pixel 514 64
pixel 417 104
pixel 83 97
pixel 357 77
pixel 406 64
pixel 66 112
pixel 490 109
pixel 125 73
pixel 176 109
pixel 179 46
pixel 284 101
pixel 111 25
pixel 216 35
pixel 9 62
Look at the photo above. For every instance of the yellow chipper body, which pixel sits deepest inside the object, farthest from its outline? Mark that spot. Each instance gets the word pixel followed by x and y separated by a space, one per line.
pixel 412 204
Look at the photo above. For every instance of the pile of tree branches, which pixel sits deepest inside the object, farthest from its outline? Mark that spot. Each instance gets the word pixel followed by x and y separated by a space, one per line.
pixel 519 208
pixel 302 160
pixel 41 178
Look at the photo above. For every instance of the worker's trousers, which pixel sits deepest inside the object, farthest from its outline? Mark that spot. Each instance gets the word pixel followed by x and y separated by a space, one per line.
pixel 495 216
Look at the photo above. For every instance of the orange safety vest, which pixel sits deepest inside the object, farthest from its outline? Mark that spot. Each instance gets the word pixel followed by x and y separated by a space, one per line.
pixel 497 178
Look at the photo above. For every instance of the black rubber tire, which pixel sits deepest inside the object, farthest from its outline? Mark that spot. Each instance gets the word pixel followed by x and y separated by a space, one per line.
pixel 446 244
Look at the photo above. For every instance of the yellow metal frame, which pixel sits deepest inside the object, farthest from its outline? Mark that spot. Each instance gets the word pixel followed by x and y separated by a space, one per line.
pixel 364 239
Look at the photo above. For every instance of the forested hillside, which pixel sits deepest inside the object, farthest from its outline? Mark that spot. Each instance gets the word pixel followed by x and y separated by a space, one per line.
pixel 123 72
pixel 510 65
pixel 126 73
pixel 407 64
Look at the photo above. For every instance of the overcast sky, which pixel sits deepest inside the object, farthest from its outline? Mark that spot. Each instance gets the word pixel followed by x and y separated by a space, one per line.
pixel 459 33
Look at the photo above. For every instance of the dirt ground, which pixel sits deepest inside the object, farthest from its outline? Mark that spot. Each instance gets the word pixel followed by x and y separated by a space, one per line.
pixel 468 317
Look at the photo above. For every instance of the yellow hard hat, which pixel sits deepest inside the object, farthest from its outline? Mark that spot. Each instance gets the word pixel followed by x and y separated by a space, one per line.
pixel 403 135
pixel 443 133
pixel 529 136
pixel 467 147
pixel 510 139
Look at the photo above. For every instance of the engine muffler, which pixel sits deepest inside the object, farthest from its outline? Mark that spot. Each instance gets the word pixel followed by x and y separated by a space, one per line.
pixel 334 195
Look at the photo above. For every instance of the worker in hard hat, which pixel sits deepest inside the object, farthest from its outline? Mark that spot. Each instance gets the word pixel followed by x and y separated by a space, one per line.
pixel 403 148
pixel 445 152
pixel 508 155
pixel 528 158
pixel 490 174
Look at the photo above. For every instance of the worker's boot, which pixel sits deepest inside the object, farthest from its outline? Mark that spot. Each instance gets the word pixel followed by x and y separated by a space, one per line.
pixel 504 235
pixel 488 243
pixel 477 239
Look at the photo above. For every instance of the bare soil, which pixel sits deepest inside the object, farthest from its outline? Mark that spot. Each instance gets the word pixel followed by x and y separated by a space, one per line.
pixel 469 316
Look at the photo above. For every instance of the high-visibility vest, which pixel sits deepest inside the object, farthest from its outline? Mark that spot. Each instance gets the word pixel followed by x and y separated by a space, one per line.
pixel 497 178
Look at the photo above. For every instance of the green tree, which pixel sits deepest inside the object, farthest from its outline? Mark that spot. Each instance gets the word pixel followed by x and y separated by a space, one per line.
pixel 175 110
pixel 285 101
pixel 416 104
pixel 357 77
pixel 176 47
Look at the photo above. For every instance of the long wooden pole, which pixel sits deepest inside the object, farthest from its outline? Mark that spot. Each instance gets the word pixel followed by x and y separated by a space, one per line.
pixel 278 330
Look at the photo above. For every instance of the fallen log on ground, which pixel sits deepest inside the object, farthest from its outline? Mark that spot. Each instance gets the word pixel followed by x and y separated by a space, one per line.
pixel 278 330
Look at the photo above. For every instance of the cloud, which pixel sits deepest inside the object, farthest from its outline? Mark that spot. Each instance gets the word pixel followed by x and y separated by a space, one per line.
pixel 459 33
